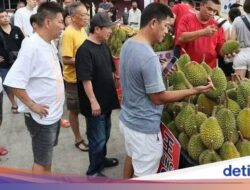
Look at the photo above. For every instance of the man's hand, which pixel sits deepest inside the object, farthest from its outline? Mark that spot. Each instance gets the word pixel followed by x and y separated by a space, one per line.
pixel 164 64
pixel 95 107
pixel 203 89
pixel 210 30
pixel 1 59
pixel 40 109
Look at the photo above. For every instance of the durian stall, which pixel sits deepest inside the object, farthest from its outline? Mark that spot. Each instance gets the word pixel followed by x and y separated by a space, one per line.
pixel 213 126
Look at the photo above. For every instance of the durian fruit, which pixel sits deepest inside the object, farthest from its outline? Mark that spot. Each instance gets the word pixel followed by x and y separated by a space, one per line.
pixel 232 94
pixel 211 132
pixel 196 74
pixel 166 117
pixel 183 60
pixel 228 151
pixel 195 147
pixel 193 122
pixel 116 40
pixel 231 46
pixel 206 66
pixel 227 122
pixel 171 126
pixel 232 105
pixel 183 140
pixel 220 83
pixel 182 117
pixel 243 146
pixel 206 104
pixel 179 81
pixel 231 85
pixel 243 91
pixel 128 30
pixel 232 88
pixel 243 121
pixel 209 156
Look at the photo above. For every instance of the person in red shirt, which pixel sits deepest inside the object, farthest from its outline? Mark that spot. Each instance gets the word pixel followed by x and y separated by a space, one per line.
pixel 200 35
pixel 179 10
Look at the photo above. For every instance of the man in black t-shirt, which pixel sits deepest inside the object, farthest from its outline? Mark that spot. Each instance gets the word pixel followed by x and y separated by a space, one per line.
pixel 96 89
pixel 10 42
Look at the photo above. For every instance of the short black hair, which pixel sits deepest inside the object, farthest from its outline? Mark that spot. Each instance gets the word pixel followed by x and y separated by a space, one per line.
pixel 2 10
pixel 33 19
pixel 47 10
pixel 233 13
pixel 246 6
pixel 158 11
pixel 235 5
pixel 92 28
pixel 217 2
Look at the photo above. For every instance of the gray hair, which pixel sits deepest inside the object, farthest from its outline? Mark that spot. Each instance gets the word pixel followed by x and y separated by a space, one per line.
pixel 72 8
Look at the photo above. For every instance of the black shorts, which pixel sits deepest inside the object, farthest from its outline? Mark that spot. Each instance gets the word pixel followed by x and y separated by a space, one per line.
pixel 226 67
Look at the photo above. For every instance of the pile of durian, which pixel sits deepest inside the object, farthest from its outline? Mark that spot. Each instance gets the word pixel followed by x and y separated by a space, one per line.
pixel 119 35
pixel 166 44
pixel 213 126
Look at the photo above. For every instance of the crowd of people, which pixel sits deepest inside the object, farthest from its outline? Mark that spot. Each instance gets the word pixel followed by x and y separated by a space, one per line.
pixel 65 56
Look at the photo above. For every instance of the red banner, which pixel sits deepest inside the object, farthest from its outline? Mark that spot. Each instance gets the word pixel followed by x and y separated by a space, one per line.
pixel 171 151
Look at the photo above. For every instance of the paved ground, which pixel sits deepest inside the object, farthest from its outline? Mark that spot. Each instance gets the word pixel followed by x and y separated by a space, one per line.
pixel 67 159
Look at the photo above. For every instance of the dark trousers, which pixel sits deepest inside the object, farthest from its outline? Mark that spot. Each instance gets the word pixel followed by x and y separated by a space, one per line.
pixel 98 132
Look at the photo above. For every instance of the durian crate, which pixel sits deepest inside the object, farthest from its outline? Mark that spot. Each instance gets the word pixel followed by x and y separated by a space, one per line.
pixel 186 161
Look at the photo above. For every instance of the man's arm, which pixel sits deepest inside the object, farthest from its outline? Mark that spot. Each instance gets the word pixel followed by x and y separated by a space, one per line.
pixel 173 96
pixel 68 60
pixel 41 110
pixel 187 37
pixel 96 109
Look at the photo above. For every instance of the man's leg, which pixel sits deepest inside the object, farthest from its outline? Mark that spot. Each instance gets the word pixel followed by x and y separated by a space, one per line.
pixel 39 169
pixel 73 107
pixel 128 171
pixel 74 122
pixel 96 134
pixel 44 138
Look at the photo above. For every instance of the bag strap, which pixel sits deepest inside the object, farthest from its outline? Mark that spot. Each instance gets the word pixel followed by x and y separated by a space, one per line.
pixel 245 20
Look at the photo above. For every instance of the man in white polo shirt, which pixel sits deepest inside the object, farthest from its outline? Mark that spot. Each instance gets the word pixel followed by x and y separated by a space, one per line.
pixel 22 17
pixel 36 80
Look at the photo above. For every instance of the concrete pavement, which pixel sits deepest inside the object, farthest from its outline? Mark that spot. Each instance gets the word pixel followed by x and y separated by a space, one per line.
pixel 66 159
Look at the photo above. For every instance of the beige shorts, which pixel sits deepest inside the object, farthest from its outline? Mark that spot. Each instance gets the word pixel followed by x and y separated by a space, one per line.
pixel 242 60
pixel 144 149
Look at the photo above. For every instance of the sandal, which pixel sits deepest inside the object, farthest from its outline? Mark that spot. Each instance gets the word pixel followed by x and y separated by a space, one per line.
pixel 3 151
pixel 86 147
pixel 14 109
pixel 110 162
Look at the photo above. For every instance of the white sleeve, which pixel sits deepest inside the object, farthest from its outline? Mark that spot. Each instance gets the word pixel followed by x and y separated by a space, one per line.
pixel 18 20
pixel 20 72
